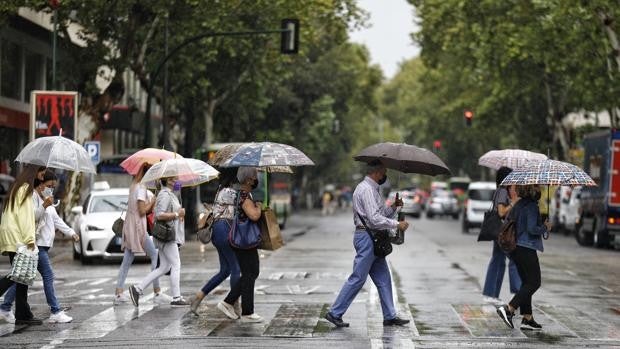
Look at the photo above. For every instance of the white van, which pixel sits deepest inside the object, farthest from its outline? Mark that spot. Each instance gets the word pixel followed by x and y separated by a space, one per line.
pixel 479 200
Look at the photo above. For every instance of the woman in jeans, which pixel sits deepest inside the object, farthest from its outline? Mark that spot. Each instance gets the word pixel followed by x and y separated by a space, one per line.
pixel 497 264
pixel 18 227
pixel 135 238
pixel 168 210
pixel 46 230
pixel 529 230
pixel 247 258
pixel 223 211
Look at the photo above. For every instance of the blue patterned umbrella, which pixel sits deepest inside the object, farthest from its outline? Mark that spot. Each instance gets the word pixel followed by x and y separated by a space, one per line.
pixel 264 154
pixel 549 172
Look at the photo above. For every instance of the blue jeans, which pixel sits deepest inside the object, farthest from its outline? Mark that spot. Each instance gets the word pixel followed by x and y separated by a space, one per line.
pixel 47 274
pixel 495 274
pixel 228 261
pixel 366 263
pixel 128 256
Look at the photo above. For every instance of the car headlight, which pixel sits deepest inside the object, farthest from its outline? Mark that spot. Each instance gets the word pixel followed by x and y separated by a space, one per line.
pixel 93 228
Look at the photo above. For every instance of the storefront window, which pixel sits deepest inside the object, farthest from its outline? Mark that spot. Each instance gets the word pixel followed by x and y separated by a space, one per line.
pixel 34 73
pixel 10 69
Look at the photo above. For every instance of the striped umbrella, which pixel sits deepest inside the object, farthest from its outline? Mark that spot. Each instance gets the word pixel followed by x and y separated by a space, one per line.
pixel 549 172
pixel 512 158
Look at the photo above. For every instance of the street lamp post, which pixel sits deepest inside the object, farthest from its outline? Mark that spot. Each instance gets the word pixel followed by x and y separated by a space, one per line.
pixel 290 44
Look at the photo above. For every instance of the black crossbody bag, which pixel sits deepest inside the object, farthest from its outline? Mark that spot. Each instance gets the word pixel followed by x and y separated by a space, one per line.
pixel 380 240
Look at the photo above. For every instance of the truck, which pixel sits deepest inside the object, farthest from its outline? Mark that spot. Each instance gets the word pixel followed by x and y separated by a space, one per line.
pixel 600 205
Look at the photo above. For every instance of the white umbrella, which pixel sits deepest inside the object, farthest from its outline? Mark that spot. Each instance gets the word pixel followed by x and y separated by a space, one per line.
pixel 57 152
pixel 190 172
pixel 511 158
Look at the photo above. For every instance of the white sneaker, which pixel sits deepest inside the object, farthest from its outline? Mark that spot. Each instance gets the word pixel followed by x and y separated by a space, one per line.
pixel 251 318
pixel 60 317
pixel 161 298
pixel 492 300
pixel 7 316
pixel 227 309
pixel 121 299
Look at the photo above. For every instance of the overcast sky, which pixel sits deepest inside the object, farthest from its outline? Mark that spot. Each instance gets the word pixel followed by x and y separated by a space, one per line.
pixel 388 37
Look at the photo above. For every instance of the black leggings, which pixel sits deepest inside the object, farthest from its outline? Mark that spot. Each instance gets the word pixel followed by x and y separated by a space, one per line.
pixel 528 266
pixel 249 267
pixel 22 309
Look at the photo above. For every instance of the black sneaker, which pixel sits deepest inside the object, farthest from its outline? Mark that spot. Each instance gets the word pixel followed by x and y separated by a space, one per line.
pixel 31 321
pixel 134 294
pixel 336 321
pixel 395 322
pixel 506 315
pixel 530 325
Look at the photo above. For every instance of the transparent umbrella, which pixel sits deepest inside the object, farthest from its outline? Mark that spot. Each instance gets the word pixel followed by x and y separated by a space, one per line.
pixel 57 152
pixel 190 172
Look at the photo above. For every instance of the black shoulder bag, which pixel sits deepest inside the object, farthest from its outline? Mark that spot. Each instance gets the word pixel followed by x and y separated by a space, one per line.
pixel 491 223
pixel 380 240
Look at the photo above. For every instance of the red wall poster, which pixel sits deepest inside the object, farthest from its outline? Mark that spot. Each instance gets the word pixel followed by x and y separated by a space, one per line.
pixel 52 111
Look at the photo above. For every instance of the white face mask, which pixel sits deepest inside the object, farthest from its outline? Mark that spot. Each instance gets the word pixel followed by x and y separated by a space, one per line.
pixel 47 192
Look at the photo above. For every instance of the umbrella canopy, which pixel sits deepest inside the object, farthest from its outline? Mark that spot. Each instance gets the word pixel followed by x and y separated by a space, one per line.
pixel 511 158
pixel 57 152
pixel 190 172
pixel 550 172
pixel 264 154
pixel 149 156
pixel 229 150
pixel 404 157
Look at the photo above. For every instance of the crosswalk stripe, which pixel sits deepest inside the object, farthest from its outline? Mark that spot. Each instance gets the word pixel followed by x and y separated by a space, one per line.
pixel 99 282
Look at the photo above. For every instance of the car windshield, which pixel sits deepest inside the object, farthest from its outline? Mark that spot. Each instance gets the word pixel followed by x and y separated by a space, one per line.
pixel 481 194
pixel 108 203
pixel 443 194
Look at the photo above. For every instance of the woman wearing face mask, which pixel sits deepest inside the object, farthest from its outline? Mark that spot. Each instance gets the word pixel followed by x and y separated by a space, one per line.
pixel 223 211
pixel 135 237
pixel 529 230
pixel 46 229
pixel 18 227
pixel 167 209
pixel 247 259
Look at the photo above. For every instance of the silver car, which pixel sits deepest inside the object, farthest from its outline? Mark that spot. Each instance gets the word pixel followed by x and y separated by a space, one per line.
pixel 442 203
pixel 412 202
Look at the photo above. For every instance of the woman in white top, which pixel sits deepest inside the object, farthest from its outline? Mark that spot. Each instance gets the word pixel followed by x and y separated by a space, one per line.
pixel 168 210
pixel 47 224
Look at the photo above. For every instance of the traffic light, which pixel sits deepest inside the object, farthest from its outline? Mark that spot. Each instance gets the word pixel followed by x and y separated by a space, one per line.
pixel 469 115
pixel 437 145
pixel 289 43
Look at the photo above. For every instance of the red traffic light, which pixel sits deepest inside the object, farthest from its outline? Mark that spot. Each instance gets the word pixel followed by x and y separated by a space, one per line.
pixel 469 115
pixel 437 145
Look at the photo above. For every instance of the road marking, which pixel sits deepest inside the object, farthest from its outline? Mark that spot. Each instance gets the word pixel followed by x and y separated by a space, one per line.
pixel 101 324
pixel 99 282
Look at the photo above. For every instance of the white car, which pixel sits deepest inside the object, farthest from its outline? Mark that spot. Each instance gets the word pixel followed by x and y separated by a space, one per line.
pixel 479 200
pixel 569 212
pixel 93 223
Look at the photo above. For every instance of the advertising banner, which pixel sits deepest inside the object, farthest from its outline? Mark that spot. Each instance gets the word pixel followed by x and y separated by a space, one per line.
pixel 52 111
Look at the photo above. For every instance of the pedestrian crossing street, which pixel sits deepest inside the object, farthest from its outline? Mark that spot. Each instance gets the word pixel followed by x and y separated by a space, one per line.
pixel 299 315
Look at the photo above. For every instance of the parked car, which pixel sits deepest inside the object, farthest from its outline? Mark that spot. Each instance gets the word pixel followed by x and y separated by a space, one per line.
pixel 442 202
pixel 93 223
pixel 479 198
pixel 570 212
pixel 412 202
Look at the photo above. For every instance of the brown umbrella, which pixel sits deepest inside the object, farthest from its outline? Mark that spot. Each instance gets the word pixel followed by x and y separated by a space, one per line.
pixel 404 157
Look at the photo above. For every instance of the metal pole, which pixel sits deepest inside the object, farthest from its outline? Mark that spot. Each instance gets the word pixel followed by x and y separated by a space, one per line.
pixel 164 104
pixel 55 21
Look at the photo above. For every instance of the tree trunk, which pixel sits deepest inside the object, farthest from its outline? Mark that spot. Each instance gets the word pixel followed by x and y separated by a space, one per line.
pixel 554 121
pixel 208 115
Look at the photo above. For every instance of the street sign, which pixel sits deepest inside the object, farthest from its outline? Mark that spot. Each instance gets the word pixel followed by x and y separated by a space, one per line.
pixel 52 111
pixel 94 150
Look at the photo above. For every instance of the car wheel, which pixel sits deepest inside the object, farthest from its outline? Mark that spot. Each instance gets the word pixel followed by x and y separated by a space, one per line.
pixel 429 215
pixel 600 239
pixel 76 255
pixel 455 216
pixel 416 215
pixel 583 237
pixel 83 258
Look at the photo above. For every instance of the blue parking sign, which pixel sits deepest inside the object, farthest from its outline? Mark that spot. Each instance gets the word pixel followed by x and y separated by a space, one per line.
pixel 94 150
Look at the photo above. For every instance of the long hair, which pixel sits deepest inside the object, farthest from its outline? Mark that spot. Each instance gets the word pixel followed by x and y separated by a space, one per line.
pixel 48 176
pixel 26 176
pixel 502 172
